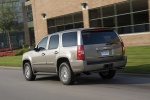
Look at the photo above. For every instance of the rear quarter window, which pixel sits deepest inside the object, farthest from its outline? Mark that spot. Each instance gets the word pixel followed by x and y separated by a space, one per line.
pixel 99 37
pixel 69 39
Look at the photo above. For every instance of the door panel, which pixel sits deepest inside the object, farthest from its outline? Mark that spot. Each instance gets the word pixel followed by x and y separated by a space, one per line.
pixel 51 58
pixel 39 56
pixel 39 61
pixel 52 52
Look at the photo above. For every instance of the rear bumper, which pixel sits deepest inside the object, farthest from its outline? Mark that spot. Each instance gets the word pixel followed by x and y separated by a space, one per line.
pixel 79 66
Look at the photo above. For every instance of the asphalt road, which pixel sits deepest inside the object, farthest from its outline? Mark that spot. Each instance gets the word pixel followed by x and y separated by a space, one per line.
pixel 13 86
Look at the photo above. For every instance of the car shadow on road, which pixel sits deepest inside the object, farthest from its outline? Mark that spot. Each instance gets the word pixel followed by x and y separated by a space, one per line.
pixel 118 79
pixel 47 78
pixel 96 79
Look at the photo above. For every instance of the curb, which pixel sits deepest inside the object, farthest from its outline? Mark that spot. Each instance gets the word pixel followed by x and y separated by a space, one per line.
pixel 7 67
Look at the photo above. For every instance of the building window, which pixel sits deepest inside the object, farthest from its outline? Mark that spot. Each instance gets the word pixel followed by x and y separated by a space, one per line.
pixel 139 5
pixel 142 28
pixel 124 20
pixel 141 17
pixel 123 8
pixel 29 13
pixel 65 22
pixel 68 19
pixel 51 22
pixel 109 22
pixel 96 23
pixel 108 11
pixel 126 17
pixel 94 13
pixel 59 21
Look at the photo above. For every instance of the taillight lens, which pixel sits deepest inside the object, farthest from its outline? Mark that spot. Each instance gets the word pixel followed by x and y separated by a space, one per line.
pixel 80 52
pixel 123 48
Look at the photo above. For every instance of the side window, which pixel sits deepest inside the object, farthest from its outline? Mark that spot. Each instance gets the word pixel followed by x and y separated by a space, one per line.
pixel 54 42
pixel 69 39
pixel 42 44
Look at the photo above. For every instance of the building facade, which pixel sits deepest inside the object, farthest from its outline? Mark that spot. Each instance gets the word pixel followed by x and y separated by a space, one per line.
pixel 130 18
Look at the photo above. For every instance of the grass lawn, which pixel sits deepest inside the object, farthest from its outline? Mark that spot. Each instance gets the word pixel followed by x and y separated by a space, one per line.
pixel 14 61
pixel 138 60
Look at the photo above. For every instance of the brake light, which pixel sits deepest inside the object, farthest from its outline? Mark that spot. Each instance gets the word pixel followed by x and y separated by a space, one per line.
pixel 123 48
pixel 80 52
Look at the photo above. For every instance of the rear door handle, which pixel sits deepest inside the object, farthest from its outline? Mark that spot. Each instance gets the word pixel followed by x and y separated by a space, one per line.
pixel 56 52
pixel 43 54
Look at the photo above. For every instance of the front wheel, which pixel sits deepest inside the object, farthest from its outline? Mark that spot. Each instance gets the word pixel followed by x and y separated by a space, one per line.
pixel 28 72
pixel 65 74
pixel 108 74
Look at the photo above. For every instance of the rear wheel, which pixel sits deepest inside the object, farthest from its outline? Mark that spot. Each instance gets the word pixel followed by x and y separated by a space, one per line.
pixel 28 72
pixel 65 74
pixel 108 74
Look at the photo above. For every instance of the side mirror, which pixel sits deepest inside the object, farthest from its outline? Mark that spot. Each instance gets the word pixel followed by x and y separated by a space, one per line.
pixel 36 49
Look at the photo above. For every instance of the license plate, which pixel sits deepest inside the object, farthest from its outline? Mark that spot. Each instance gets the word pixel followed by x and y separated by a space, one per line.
pixel 105 53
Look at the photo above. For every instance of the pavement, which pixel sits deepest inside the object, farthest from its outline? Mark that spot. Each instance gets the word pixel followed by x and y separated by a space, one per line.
pixel 13 86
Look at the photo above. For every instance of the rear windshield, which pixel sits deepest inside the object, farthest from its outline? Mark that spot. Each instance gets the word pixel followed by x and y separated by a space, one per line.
pixel 98 37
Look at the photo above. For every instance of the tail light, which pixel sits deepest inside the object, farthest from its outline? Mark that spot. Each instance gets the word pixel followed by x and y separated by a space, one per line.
pixel 123 48
pixel 80 52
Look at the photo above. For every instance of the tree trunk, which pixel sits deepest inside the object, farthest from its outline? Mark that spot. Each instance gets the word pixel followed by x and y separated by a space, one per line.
pixel 9 41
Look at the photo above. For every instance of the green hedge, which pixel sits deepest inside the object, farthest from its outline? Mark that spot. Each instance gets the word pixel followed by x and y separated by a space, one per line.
pixel 20 51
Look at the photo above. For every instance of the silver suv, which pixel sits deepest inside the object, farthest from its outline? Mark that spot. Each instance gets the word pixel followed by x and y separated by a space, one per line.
pixel 72 52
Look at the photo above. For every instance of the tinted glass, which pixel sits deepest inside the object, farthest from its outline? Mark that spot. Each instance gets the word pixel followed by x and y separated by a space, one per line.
pixel 141 17
pixel 50 22
pixel 98 37
pixel 59 20
pixel 42 44
pixel 94 13
pixel 68 19
pixel 69 26
pixel 69 39
pixel 123 8
pixel 60 28
pixel 124 20
pixel 78 17
pixel 52 30
pixel 54 42
pixel 96 23
pixel 125 30
pixel 79 25
pixel 141 28
pixel 109 22
pixel 139 5
pixel 108 11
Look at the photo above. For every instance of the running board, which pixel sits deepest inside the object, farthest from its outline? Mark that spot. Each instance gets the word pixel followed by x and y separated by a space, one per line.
pixel 44 73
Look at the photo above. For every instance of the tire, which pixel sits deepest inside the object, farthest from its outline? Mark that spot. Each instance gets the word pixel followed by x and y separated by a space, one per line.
pixel 28 73
pixel 108 75
pixel 65 74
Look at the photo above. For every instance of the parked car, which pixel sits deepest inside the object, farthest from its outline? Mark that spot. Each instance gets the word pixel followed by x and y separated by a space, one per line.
pixel 72 52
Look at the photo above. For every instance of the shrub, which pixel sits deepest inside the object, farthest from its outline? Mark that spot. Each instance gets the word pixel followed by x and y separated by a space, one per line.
pixel 20 51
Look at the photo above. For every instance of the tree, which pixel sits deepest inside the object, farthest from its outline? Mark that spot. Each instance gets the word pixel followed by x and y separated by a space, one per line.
pixel 8 20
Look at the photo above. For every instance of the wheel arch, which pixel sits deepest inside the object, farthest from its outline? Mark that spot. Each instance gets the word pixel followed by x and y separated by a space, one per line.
pixel 61 60
pixel 25 61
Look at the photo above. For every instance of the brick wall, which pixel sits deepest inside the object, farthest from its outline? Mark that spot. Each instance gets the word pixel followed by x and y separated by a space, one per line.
pixel 136 39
